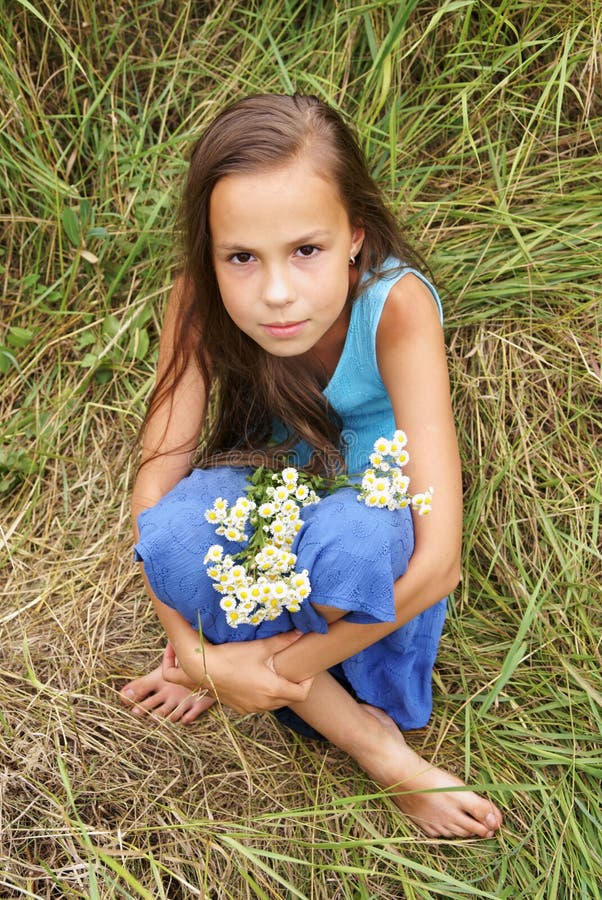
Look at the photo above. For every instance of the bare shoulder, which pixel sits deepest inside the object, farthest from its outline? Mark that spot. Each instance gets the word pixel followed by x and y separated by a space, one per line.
pixel 410 316
pixel 177 410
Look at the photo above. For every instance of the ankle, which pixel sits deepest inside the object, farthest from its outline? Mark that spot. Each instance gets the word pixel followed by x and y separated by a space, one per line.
pixel 366 738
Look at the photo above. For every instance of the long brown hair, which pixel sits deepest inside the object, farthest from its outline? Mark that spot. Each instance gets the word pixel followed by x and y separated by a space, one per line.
pixel 248 388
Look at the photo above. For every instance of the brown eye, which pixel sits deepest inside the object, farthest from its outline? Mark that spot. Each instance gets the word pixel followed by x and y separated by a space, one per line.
pixel 307 250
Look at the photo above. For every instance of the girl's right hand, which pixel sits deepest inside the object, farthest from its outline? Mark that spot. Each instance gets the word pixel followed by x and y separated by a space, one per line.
pixel 240 674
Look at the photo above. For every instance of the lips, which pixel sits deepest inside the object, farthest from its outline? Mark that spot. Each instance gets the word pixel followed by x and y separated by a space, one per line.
pixel 284 329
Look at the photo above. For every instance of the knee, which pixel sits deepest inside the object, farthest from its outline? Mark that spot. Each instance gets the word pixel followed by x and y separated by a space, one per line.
pixel 352 551
pixel 347 526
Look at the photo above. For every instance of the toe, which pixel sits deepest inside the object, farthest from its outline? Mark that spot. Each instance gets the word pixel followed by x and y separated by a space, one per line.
pixel 473 827
pixel 132 693
pixel 493 821
pixel 139 689
pixel 199 706
pixel 156 703
pixel 483 811
pixel 172 712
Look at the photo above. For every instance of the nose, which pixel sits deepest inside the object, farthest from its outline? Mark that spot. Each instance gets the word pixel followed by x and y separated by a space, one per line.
pixel 277 287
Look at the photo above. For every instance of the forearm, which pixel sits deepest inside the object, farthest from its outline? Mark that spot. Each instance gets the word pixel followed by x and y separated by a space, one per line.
pixel 193 651
pixel 239 674
pixel 414 592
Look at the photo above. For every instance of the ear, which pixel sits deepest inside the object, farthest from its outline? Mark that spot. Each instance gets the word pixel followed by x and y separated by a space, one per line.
pixel 357 239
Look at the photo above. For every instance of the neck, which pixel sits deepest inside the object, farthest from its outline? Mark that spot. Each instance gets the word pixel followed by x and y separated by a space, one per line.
pixel 324 356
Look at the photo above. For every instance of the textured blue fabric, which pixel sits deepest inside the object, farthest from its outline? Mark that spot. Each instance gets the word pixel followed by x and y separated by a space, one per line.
pixel 353 554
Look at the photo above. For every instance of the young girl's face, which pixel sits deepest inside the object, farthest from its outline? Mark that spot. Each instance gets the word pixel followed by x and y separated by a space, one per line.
pixel 281 242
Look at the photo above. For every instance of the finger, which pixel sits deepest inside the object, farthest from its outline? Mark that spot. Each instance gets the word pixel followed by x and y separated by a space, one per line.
pixel 290 692
pixel 304 686
pixel 176 675
pixel 298 693
pixel 169 655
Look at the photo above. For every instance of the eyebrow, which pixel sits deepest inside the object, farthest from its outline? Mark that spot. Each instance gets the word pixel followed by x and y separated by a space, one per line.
pixel 297 242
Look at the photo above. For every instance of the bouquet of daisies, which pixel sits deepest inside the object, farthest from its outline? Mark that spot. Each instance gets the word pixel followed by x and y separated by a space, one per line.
pixel 385 485
pixel 260 581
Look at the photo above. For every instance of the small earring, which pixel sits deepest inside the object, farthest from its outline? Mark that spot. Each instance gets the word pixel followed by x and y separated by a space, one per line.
pixel 352 260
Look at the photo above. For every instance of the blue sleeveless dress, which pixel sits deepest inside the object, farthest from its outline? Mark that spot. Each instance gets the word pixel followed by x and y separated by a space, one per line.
pixel 353 554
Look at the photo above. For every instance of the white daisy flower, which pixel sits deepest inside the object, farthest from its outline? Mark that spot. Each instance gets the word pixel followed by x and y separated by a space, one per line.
pixel 273 603
pixel 214 554
pixel 401 482
pixel 382 446
pixel 422 503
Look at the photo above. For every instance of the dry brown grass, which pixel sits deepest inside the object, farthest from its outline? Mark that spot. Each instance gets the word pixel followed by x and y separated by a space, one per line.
pixel 484 125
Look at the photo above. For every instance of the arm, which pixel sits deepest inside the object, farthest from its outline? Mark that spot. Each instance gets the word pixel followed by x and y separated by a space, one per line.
pixel 412 362
pixel 172 432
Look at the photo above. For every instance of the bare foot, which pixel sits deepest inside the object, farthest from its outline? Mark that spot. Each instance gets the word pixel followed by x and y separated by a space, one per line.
pixel 420 788
pixel 152 694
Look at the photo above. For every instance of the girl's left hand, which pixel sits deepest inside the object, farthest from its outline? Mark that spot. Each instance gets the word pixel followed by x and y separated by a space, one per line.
pixel 239 674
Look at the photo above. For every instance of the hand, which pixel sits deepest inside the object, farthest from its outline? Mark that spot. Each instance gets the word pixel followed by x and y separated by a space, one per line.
pixel 240 674
pixel 172 671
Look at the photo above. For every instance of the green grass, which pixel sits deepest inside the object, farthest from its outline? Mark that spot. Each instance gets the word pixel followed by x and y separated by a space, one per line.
pixel 483 122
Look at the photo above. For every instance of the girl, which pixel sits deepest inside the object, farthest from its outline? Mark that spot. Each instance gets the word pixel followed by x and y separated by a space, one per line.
pixel 300 323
